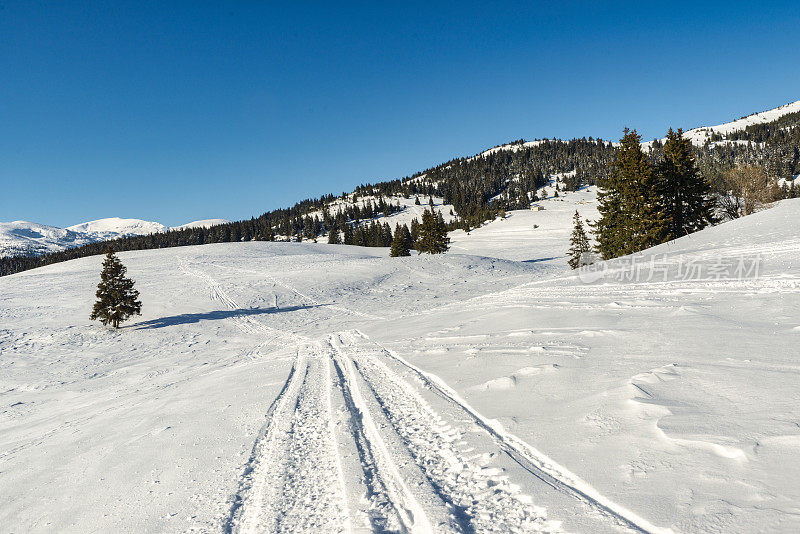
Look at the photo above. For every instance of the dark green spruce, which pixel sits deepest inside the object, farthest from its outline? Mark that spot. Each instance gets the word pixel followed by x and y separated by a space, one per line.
pixel 117 300
pixel 579 249
pixel 631 213
pixel 432 234
pixel 686 195
pixel 401 243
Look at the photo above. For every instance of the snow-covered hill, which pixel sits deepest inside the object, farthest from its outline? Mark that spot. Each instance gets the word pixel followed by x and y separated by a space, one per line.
pixel 22 238
pixel 205 223
pixel 459 393
pixel 697 135
pixel 700 135
pixel 114 227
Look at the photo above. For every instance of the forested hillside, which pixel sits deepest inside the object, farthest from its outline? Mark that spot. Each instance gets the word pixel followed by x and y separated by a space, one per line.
pixel 506 177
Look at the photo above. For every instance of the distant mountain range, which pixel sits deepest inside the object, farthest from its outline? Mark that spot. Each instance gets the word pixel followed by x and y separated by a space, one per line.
pixel 23 238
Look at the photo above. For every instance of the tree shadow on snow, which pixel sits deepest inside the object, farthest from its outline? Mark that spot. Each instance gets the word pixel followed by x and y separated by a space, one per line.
pixel 188 318
pixel 537 260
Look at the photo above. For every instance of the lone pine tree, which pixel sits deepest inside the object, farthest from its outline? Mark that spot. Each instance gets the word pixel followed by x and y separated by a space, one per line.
pixel 401 243
pixel 579 249
pixel 116 297
pixel 432 234
pixel 685 193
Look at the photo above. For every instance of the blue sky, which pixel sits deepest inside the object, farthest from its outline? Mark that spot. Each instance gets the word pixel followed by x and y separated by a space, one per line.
pixel 174 111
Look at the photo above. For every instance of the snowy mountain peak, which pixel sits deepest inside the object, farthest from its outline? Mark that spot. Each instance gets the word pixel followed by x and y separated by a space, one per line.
pixel 24 238
pixel 118 226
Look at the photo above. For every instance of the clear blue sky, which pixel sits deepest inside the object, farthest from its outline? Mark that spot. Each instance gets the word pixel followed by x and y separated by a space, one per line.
pixel 175 111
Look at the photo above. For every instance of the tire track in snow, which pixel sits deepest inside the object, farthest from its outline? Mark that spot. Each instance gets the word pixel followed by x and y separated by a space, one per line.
pixel 302 295
pixel 251 483
pixel 288 484
pixel 393 507
pixel 245 323
pixel 282 490
pixel 483 500
pixel 527 456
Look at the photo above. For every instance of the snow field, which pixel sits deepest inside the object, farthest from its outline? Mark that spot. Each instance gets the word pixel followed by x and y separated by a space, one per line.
pixel 489 394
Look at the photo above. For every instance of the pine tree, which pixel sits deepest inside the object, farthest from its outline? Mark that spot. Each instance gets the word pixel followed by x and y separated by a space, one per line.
pixel 116 297
pixel 333 236
pixel 579 249
pixel 401 243
pixel 349 238
pixel 432 234
pixel 685 193
pixel 414 230
pixel 631 215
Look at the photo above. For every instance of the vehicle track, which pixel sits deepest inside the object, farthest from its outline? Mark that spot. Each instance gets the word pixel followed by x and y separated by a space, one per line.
pixel 416 470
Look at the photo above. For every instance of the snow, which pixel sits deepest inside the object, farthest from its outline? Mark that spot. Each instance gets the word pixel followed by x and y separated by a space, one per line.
pixel 698 136
pixel 116 227
pixel 515 237
pixel 32 239
pixel 477 390
pixel 409 210
pixel 512 147
pixel 205 223
pixel 788 182
pixel 27 238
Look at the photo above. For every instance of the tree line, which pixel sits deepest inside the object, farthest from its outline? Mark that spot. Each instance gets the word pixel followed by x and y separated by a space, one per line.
pixel 649 198
pixel 482 186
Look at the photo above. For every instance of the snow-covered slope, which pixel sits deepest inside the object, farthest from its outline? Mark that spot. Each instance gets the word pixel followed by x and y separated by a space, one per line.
pixel 526 235
pixel 22 238
pixel 409 209
pixel 116 227
pixel 446 394
pixel 700 135
pixel 205 223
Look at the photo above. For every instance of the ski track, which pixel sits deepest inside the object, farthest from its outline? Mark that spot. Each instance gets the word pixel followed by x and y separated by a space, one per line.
pixel 294 480
pixel 302 295
pixel 531 459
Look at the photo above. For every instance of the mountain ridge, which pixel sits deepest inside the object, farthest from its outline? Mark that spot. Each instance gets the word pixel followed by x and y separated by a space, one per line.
pixel 26 238
pixel 473 190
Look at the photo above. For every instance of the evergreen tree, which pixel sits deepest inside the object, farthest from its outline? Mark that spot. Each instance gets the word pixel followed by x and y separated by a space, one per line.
pixel 401 244
pixel 414 230
pixel 685 193
pixel 432 234
pixel 349 238
pixel 579 249
pixel 333 236
pixel 116 297
pixel 631 214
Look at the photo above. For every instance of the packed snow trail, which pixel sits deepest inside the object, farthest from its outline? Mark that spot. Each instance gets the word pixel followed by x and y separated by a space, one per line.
pixel 528 457
pixel 482 498
pixel 416 473
pixel 287 485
